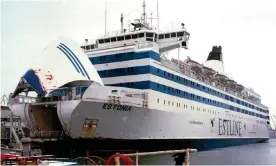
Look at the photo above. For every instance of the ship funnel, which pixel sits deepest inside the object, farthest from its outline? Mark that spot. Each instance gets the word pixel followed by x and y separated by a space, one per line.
pixel 215 61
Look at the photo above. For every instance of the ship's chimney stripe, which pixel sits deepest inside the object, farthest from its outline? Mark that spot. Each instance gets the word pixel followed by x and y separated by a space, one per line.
pixel 69 59
pixel 76 59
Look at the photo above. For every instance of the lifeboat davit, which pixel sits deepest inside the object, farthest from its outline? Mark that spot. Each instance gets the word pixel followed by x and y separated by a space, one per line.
pixel 221 77
pixel 208 71
pixel 239 87
pixel 194 65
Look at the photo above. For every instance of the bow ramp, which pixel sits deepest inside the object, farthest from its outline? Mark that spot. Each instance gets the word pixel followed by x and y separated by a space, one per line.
pixel 61 63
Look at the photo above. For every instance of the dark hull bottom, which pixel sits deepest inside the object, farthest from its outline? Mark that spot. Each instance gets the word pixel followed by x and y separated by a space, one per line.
pixel 103 147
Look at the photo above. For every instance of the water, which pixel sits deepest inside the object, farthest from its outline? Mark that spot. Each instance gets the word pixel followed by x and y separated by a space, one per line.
pixel 253 154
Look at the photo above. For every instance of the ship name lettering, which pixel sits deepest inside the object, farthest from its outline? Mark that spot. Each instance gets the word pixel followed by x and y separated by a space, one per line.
pixel 117 107
pixel 229 127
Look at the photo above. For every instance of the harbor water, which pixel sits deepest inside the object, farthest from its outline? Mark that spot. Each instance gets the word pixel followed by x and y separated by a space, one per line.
pixel 253 154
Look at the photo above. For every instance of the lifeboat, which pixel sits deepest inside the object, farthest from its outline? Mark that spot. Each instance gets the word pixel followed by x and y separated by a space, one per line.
pixel 239 87
pixel 221 77
pixel 208 71
pixel 194 65
pixel 231 83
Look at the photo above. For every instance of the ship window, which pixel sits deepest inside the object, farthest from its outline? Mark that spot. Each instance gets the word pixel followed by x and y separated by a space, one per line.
pixel 141 35
pixel 106 40
pixel 149 39
pixel 161 36
pixel 127 37
pixel 87 47
pixel 169 102
pixel 157 100
pixel 101 41
pixel 113 39
pixel 149 34
pixel 155 36
pixel 180 34
pixel 120 38
pixel 135 36
pixel 173 35
pixel 167 35
pixel 164 102
pixel 157 70
pixel 83 47
pixel 93 46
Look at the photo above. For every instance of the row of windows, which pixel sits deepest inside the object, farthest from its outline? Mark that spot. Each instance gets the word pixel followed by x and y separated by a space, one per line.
pixel 186 95
pixel 203 99
pixel 185 106
pixel 212 91
pixel 141 35
pixel 171 35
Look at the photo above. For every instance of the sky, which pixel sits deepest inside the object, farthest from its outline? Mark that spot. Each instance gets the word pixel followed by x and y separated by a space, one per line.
pixel 246 30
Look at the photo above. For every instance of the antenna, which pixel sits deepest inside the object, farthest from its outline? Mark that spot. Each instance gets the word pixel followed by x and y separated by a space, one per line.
pixel 144 12
pixel 151 20
pixel 122 22
pixel 105 18
pixel 157 16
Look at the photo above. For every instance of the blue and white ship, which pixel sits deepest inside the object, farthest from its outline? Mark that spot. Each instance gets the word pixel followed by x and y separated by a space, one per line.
pixel 121 91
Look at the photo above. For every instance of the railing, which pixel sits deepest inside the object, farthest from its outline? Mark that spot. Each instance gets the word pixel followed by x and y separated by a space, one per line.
pixel 47 134
pixel 22 100
pixel 186 151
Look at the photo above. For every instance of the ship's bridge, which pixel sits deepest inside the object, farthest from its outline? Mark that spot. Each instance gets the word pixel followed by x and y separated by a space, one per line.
pixel 166 40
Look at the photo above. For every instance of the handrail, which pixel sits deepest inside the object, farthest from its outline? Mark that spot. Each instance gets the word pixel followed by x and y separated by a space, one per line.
pixel 186 151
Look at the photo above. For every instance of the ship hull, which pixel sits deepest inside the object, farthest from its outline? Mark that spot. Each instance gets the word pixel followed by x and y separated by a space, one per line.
pixel 112 121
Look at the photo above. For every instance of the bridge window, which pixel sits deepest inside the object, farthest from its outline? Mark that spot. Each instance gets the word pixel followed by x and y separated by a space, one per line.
pixel 113 39
pixel 179 34
pixel 161 36
pixel 87 47
pixel 101 41
pixel 173 35
pixel 135 36
pixel 127 37
pixel 120 38
pixel 106 40
pixel 149 39
pixel 141 35
pixel 167 35
pixel 149 34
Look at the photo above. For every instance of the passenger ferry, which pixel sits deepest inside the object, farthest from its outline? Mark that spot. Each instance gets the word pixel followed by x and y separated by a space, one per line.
pixel 121 92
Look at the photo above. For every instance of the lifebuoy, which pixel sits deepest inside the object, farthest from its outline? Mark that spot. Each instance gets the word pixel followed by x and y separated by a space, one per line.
pixel 124 159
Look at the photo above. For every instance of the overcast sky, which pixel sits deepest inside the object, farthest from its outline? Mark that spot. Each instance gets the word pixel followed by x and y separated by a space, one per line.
pixel 246 30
